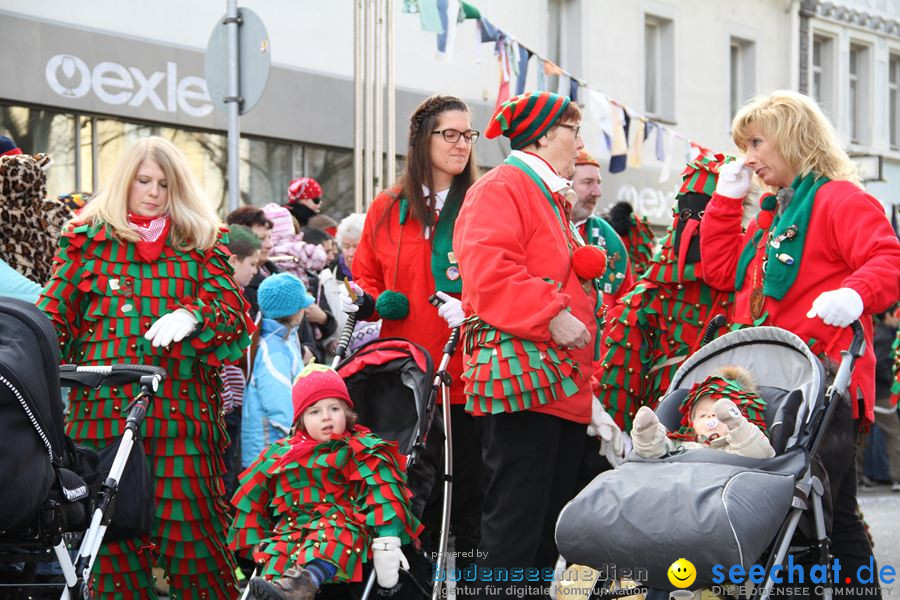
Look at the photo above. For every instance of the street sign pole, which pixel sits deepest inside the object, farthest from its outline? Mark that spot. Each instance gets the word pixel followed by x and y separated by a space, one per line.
pixel 232 22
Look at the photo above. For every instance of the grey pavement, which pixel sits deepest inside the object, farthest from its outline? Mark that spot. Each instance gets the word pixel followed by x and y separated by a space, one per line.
pixel 881 509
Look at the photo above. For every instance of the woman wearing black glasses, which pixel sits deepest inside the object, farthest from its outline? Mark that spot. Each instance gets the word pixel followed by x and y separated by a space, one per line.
pixel 405 255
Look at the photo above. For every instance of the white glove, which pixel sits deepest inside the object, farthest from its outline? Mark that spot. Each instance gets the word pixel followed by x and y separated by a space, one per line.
pixel 734 179
pixel 171 327
pixel 605 429
pixel 347 304
pixel 838 307
pixel 451 310
pixel 386 559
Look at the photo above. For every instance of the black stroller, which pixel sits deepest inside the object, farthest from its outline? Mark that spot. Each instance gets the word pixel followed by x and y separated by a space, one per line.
pixel 721 509
pixel 56 496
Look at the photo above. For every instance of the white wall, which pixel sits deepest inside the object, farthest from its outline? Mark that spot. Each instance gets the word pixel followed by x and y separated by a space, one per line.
pixel 314 35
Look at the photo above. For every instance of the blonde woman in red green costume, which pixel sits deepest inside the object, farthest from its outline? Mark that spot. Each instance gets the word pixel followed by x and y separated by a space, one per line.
pixel 142 276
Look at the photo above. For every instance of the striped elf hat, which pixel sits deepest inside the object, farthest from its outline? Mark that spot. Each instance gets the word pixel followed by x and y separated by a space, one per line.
pixel 748 402
pixel 700 175
pixel 525 118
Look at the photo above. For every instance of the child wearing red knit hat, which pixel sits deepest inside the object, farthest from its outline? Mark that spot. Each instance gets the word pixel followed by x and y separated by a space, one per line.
pixel 314 503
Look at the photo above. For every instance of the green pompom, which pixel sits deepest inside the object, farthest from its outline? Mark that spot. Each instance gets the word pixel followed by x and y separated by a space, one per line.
pixel 768 202
pixel 392 305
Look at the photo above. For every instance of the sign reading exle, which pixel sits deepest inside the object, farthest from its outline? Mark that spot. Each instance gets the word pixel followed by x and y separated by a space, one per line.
pixel 115 84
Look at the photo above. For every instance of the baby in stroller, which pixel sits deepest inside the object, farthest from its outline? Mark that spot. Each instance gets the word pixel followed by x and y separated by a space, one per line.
pixel 724 412
pixel 313 503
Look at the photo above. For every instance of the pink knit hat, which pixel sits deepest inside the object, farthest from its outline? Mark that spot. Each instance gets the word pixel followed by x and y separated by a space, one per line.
pixel 282 221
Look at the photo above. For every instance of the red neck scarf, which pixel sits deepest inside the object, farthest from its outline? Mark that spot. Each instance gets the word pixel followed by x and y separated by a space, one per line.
pixel 302 445
pixel 154 232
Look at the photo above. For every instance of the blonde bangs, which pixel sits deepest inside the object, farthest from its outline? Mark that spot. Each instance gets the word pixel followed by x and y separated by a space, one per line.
pixel 194 222
pixel 800 132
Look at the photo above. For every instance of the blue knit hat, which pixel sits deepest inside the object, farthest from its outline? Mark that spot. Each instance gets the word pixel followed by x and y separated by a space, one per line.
pixel 282 295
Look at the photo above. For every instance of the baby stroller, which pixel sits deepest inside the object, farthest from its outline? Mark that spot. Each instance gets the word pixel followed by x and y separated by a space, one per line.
pixel 56 495
pixel 724 509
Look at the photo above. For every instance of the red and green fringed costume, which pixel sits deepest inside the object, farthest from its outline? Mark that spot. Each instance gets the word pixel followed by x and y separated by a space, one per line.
pixel 640 244
pixel 660 323
pixel 102 298
pixel 302 501
pixel 515 244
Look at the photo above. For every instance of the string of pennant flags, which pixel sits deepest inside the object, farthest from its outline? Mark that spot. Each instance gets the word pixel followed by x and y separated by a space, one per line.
pixel 612 129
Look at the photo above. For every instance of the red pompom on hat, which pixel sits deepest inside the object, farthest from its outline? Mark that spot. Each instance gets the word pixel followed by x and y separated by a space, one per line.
pixel 589 262
pixel 316 382
pixel 304 188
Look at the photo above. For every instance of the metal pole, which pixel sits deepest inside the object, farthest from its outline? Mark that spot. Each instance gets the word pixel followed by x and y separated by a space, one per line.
pixel 379 96
pixel 368 192
pixel 391 98
pixel 234 104
pixel 95 156
pixel 77 152
pixel 358 73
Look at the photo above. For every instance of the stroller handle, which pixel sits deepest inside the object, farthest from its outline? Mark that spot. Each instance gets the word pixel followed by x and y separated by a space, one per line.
pixel 858 345
pixel 98 376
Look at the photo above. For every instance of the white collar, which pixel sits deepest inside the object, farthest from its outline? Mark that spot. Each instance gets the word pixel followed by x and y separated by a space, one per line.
pixel 543 170
pixel 439 198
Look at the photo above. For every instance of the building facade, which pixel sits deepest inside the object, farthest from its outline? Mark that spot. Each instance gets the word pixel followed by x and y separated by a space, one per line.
pixel 87 79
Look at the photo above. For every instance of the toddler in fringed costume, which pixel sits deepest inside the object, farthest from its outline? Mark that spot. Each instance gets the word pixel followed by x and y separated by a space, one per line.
pixel 724 412
pixel 314 503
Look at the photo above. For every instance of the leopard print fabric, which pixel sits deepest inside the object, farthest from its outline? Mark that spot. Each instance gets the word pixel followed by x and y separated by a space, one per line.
pixel 30 223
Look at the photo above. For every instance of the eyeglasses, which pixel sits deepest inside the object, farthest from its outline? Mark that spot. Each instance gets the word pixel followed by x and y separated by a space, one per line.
pixel 451 136
pixel 576 129
pixel 316 200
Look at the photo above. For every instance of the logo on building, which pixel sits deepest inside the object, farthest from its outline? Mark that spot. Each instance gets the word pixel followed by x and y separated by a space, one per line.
pixel 116 84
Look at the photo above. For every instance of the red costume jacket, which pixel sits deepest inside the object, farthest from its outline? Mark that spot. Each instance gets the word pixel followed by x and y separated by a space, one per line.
pixel 849 243
pixel 397 257
pixel 517 273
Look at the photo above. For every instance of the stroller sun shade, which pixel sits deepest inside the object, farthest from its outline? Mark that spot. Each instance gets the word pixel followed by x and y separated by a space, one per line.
pixel 389 381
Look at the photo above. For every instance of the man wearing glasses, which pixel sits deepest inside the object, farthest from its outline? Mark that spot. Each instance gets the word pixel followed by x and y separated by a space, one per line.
pixel 528 336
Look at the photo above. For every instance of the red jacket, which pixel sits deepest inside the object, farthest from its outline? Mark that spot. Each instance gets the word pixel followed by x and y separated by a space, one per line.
pixel 849 243
pixel 512 251
pixel 378 266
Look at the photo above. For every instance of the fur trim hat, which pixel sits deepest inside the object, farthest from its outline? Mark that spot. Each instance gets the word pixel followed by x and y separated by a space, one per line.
pixel 527 117
pixel 30 223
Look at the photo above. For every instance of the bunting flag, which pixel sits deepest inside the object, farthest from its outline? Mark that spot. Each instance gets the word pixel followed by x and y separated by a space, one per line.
pixel 503 59
pixel 574 84
pixel 489 33
pixel 637 143
pixel 667 140
pixel 607 123
pixel 524 55
pixel 619 148
pixel 430 16
pixel 446 40
pixel 541 77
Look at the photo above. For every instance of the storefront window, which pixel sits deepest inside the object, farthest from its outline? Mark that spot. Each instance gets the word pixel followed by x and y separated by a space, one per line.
pixel 266 171
pixel 333 169
pixel 266 166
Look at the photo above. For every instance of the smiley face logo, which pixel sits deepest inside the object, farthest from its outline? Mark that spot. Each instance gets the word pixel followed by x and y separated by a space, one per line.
pixel 682 573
